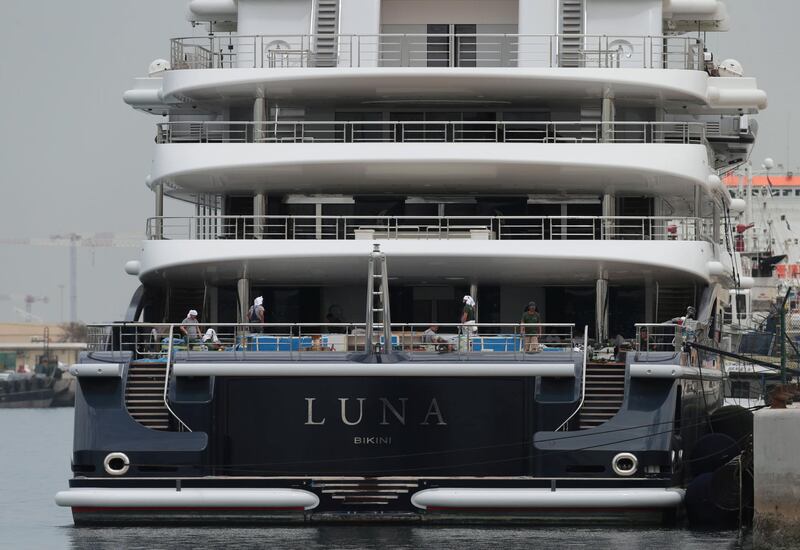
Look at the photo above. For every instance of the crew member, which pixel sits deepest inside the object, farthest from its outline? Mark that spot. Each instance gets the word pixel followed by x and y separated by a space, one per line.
pixel 190 327
pixel 529 327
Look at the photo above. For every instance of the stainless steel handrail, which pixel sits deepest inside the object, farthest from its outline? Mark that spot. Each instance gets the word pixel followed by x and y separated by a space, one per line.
pixel 428 131
pixel 166 379
pixel 564 424
pixel 310 227
pixel 294 340
pixel 659 336
pixel 428 50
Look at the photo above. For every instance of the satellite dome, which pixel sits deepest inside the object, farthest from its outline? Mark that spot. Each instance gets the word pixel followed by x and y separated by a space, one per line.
pixel 731 67
pixel 157 66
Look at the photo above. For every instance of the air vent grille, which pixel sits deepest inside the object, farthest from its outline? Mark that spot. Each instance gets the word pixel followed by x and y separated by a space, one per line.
pixel 571 16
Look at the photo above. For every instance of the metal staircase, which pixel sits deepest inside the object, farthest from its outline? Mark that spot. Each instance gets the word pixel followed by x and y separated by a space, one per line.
pixel 378 303
pixel 144 394
pixel 605 390
pixel 326 28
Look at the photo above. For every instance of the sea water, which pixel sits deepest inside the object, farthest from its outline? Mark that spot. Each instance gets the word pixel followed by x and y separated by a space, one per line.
pixel 35 447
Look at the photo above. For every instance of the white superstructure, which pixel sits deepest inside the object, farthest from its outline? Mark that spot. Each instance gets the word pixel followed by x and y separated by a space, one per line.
pixel 564 152
pixel 365 171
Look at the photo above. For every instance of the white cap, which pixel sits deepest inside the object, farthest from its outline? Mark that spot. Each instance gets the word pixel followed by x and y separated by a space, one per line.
pixel 192 313
pixel 258 301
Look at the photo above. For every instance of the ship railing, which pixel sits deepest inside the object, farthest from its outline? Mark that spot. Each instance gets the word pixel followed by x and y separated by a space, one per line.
pixel 667 337
pixel 430 132
pixel 100 338
pixel 540 228
pixel 436 51
pixel 294 341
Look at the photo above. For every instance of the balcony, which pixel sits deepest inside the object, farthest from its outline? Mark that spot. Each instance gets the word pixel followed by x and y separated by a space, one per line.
pixel 319 156
pixel 296 341
pixel 536 228
pixel 437 50
pixel 685 133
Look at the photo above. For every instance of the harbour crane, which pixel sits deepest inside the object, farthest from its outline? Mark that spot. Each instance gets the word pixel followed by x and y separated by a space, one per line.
pixel 73 241
pixel 29 300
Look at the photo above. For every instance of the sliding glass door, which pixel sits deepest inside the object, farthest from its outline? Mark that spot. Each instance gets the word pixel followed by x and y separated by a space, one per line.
pixel 451 45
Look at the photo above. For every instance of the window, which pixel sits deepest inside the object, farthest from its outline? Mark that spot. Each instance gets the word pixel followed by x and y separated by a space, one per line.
pixel 741 306
pixel 727 315
pixel 458 38
pixel 8 360
pixel 741 389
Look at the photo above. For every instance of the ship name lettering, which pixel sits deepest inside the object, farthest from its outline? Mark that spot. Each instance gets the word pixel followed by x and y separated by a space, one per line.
pixel 343 402
pixel 391 412
pixel 310 420
pixel 401 416
pixel 433 410
pixel 372 440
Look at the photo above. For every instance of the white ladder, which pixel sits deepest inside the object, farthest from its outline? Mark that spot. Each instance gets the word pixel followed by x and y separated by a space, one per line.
pixel 377 302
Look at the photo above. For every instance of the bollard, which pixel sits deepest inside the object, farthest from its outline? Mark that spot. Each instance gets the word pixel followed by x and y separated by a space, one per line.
pixel 776 446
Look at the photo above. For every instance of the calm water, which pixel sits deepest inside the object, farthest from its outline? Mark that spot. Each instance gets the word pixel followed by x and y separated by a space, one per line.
pixel 34 464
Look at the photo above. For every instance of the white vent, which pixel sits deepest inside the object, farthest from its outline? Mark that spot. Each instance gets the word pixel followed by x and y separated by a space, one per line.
pixel 327 24
pixel 570 22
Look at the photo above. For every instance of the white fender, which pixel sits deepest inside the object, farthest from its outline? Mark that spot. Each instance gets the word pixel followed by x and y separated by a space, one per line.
pixel 132 267
pixel 213 8
pixel 746 282
pixel 691 7
pixel 740 97
pixel 715 268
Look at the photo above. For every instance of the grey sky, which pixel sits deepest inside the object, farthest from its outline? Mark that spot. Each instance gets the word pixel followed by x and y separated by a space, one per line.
pixel 761 39
pixel 74 156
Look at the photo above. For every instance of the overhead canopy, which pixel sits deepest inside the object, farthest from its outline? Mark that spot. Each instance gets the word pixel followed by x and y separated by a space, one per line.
pixel 431 168
pixel 327 262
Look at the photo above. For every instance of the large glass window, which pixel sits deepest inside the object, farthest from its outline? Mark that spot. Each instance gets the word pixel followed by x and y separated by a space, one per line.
pixel 626 308
pixel 455 47
pixel 571 305
pixel 290 305
pixel 426 304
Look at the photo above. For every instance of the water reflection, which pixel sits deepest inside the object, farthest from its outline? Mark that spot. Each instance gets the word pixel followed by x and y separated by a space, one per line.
pixel 350 536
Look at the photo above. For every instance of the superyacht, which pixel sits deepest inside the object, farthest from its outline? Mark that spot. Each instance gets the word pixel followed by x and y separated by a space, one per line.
pixel 434 246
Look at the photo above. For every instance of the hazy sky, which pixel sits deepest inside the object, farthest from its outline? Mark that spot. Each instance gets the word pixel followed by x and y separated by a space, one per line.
pixel 761 39
pixel 74 156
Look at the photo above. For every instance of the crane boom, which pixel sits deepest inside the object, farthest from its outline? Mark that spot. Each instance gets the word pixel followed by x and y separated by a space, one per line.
pixel 73 241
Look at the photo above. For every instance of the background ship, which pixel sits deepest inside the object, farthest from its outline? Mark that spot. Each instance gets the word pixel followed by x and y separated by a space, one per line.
pixel 33 366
